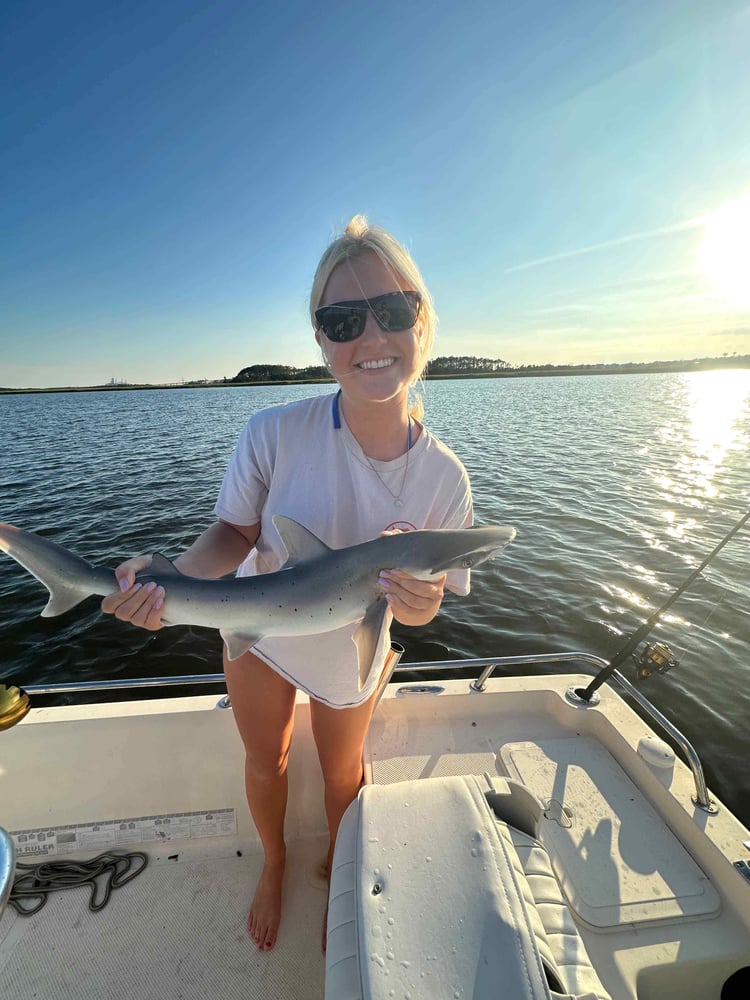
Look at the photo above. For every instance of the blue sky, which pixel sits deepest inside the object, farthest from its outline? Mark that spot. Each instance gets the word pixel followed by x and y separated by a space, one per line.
pixel 573 177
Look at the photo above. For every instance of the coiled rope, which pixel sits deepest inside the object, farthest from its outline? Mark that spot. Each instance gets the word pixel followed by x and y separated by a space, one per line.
pixel 108 871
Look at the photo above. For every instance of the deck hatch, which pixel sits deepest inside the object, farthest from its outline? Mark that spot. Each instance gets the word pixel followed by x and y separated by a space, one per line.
pixel 617 861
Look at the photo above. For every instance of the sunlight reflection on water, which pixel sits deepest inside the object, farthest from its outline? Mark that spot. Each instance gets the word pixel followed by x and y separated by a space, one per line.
pixel 707 430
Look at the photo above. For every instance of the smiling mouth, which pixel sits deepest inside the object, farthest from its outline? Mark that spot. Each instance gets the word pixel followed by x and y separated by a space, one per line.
pixel 380 363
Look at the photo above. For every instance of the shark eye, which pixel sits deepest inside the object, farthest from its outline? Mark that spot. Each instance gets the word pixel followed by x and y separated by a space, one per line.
pixel 467 563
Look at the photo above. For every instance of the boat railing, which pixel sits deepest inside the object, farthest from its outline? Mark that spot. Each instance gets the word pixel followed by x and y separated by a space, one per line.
pixel 7 867
pixel 486 666
pixel 595 663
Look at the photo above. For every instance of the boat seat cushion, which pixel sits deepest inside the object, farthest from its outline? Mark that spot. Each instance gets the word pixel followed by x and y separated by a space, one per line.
pixel 429 897
pixel 571 960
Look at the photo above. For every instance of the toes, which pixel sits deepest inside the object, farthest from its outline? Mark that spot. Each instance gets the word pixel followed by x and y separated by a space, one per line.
pixel 254 930
pixel 266 939
pixel 262 935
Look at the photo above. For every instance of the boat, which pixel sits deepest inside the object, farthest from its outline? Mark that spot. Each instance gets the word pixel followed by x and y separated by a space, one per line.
pixel 515 837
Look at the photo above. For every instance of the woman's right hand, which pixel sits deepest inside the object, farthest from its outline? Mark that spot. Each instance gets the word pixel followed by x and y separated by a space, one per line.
pixel 139 604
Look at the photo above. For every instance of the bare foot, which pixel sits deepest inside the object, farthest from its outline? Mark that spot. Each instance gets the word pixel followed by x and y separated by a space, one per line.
pixel 265 910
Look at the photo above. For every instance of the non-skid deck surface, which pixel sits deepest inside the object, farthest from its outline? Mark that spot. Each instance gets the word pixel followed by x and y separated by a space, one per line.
pixel 176 931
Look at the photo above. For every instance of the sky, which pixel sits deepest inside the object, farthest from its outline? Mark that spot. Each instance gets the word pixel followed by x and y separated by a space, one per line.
pixel 572 177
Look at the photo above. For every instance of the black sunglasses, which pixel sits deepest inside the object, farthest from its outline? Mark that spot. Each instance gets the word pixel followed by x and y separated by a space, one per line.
pixel 393 312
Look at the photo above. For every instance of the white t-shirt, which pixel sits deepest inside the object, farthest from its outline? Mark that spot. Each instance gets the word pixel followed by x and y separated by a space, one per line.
pixel 292 460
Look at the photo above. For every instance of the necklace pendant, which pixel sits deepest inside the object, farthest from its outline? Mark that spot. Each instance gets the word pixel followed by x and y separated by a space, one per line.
pixel 398 502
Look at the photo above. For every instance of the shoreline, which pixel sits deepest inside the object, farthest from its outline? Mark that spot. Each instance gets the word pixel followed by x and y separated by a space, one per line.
pixel 552 371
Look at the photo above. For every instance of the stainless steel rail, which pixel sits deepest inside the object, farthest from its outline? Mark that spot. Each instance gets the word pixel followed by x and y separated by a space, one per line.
pixel 124 684
pixel 487 666
pixel 7 867
pixel 389 668
pixel 701 797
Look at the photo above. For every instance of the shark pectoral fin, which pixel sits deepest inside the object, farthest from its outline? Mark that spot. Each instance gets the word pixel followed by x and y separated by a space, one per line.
pixel 300 543
pixel 238 642
pixel 366 637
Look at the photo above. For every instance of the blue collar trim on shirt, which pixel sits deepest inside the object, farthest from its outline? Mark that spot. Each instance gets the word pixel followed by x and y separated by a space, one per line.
pixel 337 419
pixel 336 414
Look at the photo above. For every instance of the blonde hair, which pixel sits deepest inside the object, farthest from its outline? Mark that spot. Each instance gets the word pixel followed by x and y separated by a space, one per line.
pixel 358 239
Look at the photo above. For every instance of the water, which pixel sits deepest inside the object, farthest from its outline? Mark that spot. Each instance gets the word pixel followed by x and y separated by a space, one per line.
pixel 618 485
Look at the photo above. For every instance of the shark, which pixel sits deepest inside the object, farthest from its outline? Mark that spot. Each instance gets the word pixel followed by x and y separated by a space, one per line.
pixel 317 590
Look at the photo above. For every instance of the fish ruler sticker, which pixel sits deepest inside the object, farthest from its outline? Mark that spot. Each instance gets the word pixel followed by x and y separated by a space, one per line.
pixel 48 841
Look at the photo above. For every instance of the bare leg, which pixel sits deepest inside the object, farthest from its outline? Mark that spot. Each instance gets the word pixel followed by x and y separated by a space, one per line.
pixel 263 706
pixel 340 738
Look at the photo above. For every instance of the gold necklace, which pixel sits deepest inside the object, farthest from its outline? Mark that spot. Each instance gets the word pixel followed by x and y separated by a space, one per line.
pixel 397 501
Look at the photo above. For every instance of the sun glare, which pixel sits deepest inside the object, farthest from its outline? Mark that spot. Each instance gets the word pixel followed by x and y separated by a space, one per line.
pixel 724 252
pixel 717 405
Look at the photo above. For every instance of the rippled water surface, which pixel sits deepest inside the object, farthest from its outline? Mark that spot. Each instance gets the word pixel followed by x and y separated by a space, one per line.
pixel 618 485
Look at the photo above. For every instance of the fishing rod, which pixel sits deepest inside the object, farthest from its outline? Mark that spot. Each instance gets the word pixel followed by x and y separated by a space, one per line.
pixel 637 637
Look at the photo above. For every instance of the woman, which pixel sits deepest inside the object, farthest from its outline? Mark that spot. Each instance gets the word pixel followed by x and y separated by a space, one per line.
pixel 348 466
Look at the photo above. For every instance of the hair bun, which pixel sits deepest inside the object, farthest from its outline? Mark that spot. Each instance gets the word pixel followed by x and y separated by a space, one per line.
pixel 357 226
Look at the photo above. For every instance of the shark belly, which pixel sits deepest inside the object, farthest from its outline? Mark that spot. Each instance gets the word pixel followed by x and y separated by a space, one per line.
pixel 252 608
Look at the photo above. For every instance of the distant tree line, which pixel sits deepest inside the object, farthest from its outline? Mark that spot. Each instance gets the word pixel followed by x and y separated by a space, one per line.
pixel 478 367
pixel 625 367
pixel 464 365
pixel 281 373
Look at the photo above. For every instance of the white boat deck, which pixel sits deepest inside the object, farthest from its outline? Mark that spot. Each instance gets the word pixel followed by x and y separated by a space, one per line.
pixel 176 931
pixel 105 774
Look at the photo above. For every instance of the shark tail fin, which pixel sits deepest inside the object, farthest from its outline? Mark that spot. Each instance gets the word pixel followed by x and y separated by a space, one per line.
pixel 62 597
pixel 68 578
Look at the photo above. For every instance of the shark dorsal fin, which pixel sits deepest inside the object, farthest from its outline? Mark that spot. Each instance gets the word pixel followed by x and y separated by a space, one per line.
pixel 162 566
pixel 300 543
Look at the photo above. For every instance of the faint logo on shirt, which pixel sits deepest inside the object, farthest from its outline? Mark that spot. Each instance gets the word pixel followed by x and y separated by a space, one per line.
pixel 400 526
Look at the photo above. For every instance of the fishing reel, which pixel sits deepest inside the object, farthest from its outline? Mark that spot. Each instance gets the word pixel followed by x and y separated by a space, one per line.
pixel 654 658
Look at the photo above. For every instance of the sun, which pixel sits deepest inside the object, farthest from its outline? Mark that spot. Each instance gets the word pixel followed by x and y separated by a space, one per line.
pixel 724 252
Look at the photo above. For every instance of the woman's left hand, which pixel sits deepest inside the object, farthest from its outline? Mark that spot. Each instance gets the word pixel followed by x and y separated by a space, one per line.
pixel 412 601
